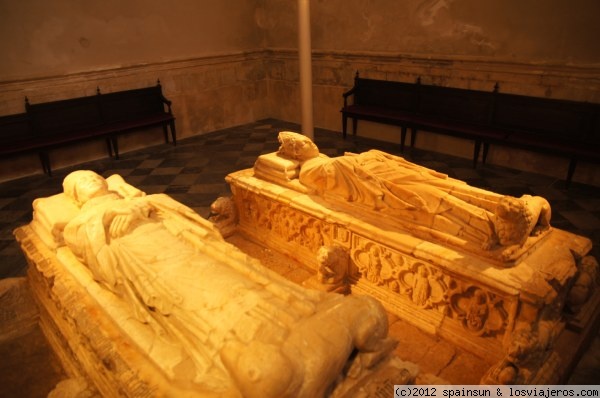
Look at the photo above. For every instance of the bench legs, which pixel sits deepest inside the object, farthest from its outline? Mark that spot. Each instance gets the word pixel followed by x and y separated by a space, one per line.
pixel 166 133
pixel 571 171
pixel 345 125
pixel 486 148
pixel 173 133
pixel 45 160
pixel 113 146
pixel 476 149
pixel 413 137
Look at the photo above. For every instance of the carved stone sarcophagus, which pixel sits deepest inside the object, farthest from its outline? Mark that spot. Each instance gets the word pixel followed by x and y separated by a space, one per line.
pixel 482 270
pixel 142 297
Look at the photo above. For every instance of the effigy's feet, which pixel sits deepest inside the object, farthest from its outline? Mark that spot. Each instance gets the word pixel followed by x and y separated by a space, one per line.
pixel 514 221
pixel 518 218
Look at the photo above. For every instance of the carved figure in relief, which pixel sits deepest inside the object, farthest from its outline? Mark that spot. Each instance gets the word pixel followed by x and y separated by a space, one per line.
pixel 477 312
pixel 481 313
pixel 421 288
pixel 418 195
pixel 390 272
pixel 373 270
pixel 221 309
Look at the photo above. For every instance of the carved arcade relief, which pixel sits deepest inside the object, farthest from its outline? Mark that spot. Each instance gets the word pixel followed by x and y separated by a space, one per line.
pixel 426 286
pixel 273 220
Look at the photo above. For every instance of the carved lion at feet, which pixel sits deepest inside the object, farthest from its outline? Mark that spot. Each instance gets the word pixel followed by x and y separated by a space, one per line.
pixel 223 215
pixel 516 219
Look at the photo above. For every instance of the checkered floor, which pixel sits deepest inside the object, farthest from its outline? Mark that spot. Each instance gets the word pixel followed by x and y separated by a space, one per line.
pixel 193 173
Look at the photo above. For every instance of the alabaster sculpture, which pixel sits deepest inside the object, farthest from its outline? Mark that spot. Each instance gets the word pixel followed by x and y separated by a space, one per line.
pixel 483 270
pixel 332 270
pixel 127 270
pixel 411 194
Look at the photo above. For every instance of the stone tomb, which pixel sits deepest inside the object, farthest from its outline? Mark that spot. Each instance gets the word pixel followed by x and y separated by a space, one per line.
pixel 487 272
pixel 141 297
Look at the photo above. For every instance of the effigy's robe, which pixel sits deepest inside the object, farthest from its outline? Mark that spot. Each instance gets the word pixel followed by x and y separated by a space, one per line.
pixel 483 270
pixel 170 309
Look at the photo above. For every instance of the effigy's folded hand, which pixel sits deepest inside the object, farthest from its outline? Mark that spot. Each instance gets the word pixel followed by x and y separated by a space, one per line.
pixel 118 221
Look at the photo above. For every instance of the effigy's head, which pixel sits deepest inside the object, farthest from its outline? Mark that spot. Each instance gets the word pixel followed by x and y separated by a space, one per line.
pixel 83 185
pixel 296 146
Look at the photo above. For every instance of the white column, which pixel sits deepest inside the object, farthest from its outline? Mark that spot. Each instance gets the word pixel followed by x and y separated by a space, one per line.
pixel 304 55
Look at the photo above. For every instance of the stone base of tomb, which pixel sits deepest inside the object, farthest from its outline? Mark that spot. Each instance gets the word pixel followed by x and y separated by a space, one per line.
pixel 88 343
pixel 433 355
pixel 471 299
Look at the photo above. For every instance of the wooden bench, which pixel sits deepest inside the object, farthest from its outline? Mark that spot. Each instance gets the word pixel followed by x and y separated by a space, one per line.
pixel 566 128
pixel 45 126
pixel 17 137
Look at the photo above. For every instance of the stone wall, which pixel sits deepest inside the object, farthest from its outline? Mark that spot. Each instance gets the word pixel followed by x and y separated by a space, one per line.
pixel 456 43
pixel 333 73
pixel 227 64
pixel 207 94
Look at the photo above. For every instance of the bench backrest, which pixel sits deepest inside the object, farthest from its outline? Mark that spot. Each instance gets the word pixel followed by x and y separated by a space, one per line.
pixel 567 119
pixel 14 128
pixel 65 116
pixel 441 102
pixel 137 103
pixel 382 93
pixel 455 104
pixel 570 120
pixel 593 135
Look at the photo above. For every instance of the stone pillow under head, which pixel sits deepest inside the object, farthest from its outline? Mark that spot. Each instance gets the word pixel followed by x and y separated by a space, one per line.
pixel 50 216
pixel 273 166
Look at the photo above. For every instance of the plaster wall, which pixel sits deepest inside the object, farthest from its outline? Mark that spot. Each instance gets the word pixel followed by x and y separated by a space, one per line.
pixel 207 94
pixel 59 37
pixel 530 31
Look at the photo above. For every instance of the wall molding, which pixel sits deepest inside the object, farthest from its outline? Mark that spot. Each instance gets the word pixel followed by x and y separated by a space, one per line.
pixel 460 71
pixel 564 81
pixel 202 60
pixel 45 88
pixel 221 90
